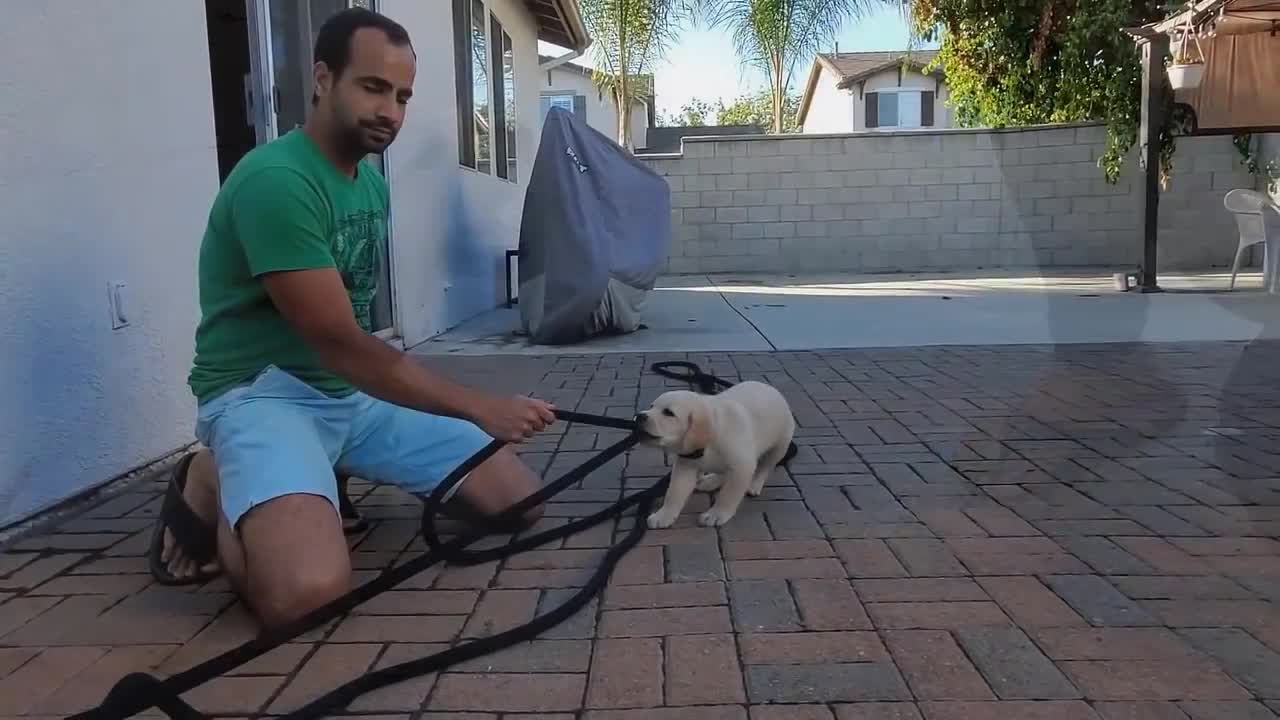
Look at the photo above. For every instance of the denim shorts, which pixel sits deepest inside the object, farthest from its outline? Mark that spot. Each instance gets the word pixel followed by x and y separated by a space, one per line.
pixel 277 435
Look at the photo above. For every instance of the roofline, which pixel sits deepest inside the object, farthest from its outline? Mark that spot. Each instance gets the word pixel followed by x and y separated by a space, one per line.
pixel 811 82
pixel 571 13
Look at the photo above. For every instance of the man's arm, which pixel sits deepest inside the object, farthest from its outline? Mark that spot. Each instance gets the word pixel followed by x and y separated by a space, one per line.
pixel 317 305
pixel 282 224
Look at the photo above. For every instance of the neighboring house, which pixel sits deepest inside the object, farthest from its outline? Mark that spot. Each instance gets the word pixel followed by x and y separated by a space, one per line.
pixel 569 86
pixel 671 139
pixel 108 182
pixel 852 92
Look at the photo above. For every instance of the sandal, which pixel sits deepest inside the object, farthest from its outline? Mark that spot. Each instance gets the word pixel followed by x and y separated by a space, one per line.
pixel 198 540
pixel 352 521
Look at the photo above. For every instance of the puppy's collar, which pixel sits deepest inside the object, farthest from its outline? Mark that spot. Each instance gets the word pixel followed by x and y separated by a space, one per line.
pixel 695 455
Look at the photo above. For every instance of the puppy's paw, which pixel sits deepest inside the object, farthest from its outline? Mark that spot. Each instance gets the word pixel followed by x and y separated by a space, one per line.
pixel 755 490
pixel 709 482
pixel 660 519
pixel 714 518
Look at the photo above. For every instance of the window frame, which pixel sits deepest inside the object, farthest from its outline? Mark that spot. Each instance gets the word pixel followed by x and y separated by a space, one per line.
pixel 896 92
pixel 500 91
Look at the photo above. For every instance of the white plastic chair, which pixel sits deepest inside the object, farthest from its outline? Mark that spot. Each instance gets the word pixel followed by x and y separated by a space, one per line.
pixel 1249 208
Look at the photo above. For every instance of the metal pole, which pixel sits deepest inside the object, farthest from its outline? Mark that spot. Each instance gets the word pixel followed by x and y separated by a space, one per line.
pixel 1154 51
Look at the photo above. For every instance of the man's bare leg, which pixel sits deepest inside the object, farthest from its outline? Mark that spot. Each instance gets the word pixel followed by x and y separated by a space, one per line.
pixel 500 482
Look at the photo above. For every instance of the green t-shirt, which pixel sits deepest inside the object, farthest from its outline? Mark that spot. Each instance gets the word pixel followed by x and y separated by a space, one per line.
pixel 285 206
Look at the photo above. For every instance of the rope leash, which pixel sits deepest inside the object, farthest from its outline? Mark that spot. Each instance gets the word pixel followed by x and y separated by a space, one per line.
pixel 139 692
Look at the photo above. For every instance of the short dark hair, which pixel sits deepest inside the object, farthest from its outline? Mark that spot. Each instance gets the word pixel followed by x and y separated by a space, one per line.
pixel 333 41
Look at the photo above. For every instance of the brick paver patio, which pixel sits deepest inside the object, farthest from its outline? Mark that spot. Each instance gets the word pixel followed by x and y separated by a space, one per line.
pixel 966 534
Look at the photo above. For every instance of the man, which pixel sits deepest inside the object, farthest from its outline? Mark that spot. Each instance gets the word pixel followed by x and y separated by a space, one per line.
pixel 289 382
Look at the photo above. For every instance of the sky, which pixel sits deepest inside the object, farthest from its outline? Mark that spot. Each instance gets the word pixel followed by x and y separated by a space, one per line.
pixel 702 64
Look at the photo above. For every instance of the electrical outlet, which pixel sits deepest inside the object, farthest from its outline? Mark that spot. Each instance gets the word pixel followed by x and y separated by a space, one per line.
pixel 116 298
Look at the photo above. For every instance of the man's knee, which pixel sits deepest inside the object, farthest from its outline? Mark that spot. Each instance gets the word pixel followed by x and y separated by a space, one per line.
pixel 297 559
pixel 301 591
pixel 500 483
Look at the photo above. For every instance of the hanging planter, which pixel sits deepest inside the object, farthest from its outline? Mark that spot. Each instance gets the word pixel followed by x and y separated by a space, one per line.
pixel 1187 69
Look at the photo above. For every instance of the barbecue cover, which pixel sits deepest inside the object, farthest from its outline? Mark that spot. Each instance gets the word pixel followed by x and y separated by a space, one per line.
pixel 595 231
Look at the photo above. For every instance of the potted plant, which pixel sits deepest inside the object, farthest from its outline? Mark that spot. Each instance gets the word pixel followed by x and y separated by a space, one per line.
pixel 1187 68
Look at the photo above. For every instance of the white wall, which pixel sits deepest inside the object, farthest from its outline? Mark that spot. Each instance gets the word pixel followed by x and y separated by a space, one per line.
pixel 451 225
pixel 107 174
pixel 830 108
pixel 601 112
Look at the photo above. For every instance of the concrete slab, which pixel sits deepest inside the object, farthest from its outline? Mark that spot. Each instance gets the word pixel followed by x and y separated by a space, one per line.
pixel 676 321
pixel 762 312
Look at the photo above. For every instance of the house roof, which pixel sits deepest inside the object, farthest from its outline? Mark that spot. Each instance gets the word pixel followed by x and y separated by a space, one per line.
pixel 853 67
pixel 560 23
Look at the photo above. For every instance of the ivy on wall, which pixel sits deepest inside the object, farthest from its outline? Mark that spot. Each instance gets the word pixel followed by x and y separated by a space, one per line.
pixel 1249 151
pixel 1023 62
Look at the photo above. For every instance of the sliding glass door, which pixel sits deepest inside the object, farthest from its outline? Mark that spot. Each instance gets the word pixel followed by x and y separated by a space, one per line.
pixel 283 35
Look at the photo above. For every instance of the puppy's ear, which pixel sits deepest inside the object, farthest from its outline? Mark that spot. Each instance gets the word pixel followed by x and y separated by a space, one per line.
pixel 698 435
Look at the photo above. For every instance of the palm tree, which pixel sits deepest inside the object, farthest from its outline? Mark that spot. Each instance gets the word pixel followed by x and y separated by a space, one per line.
pixel 774 35
pixel 629 37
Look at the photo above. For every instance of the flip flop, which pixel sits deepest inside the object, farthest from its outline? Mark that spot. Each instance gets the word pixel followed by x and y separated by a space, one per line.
pixel 352 521
pixel 197 539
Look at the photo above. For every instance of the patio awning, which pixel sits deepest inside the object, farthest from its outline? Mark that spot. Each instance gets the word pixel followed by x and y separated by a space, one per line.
pixel 1240 40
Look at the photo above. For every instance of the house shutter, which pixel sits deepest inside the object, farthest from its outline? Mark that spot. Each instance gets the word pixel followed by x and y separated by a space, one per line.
pixel 580 107
pixel 926 108
pixel 873 110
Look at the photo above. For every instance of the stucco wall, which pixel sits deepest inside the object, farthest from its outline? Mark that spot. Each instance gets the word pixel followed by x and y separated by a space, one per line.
pixel 601 112
pixel 452 225
pixel 830 108
pixel 943 199
pixel 106 129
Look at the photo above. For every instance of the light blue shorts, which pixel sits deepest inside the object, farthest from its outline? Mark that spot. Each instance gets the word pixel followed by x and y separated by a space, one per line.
pixel 279 436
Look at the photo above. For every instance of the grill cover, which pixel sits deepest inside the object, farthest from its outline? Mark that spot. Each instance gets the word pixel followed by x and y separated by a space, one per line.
pixel 595 231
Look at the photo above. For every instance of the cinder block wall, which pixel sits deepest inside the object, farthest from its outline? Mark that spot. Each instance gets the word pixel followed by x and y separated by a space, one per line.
pixel 938 200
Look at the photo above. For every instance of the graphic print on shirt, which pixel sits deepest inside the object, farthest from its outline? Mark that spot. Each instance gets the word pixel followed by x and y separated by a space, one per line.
pixel 357 249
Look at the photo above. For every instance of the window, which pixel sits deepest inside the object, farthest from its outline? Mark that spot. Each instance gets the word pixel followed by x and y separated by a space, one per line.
pixel 899 108
pixel 484 73
pixel 480 99
pixel 504 102
pixel 462 82
pixel 576 104
pixel 509 98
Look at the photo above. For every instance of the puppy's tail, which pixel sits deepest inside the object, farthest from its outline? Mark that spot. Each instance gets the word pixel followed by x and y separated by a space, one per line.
pixel 707 384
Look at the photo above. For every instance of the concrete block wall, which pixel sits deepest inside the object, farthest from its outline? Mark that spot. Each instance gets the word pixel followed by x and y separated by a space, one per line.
pixel 938 200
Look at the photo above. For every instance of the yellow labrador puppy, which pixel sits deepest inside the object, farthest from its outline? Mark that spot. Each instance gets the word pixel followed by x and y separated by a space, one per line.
pixel 730 442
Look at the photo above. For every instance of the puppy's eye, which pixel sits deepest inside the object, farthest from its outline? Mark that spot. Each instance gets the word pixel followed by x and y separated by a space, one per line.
pixel 668 413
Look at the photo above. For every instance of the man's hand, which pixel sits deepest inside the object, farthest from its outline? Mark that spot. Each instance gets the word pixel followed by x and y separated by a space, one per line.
pixel 514 419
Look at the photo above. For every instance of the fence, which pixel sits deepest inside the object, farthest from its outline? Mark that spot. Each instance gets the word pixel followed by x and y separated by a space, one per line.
pixel 939 200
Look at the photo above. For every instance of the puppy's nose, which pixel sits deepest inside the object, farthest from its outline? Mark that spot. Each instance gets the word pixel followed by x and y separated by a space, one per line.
pixel 640 419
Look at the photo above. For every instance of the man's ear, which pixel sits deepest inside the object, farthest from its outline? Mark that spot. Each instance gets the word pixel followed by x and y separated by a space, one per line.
pixel 321 79
pixel 698 435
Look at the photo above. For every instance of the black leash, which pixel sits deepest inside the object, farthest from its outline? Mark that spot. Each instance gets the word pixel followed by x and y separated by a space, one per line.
pixel 139 692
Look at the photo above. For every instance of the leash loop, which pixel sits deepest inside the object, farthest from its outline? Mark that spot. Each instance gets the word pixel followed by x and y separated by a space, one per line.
pixel 139 692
